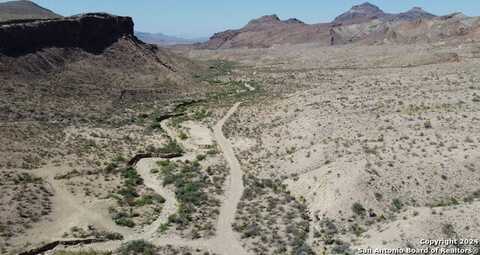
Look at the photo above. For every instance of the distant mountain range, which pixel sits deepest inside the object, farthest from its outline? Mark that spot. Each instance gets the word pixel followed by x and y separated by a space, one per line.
pixel 162 39
pixel 364 23
pixel 367 12
pixel 17 10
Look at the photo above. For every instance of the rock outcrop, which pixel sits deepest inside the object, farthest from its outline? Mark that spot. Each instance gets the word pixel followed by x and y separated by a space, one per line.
pixel 92 32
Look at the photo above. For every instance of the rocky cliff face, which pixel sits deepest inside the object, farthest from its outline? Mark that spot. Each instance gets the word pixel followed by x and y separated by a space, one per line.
pixel 92 32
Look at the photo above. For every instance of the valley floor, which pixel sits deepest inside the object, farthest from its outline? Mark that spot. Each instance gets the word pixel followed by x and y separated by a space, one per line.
pixel 326 150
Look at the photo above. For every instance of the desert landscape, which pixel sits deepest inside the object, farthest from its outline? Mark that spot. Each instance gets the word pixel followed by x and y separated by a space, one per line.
pixel 280 137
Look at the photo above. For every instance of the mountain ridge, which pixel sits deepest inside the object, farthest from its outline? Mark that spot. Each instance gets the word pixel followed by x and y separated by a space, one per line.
pixel 23 9
pixel 166 40
pixel 365 23
pixel 360 13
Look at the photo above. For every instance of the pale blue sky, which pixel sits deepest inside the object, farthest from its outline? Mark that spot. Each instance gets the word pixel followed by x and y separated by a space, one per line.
pixel 201 18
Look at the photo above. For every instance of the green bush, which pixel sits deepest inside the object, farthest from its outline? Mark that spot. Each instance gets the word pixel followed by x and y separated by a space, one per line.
pixel 126 222
pixel 182 135
pixel 156 126
pixel 163 228
pixel 189 188
pixel 149 199
pixel 128 193
pixel 397 204
pixel 132 177
pixel 140 247
pixel 113 236
pixel 172 147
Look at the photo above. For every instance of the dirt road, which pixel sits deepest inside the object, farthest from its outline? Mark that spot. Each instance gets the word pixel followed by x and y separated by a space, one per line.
pixel 226 241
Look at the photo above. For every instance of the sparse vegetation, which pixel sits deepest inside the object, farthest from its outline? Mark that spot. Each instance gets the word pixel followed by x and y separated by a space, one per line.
pixel 349 146
pixel 87 252
pixel 195 193
pixel 171 148
pixel 270 220
pixel 137 247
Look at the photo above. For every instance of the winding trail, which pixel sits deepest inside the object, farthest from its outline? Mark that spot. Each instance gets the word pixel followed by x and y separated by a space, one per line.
pixel 226 241
pixel 144 167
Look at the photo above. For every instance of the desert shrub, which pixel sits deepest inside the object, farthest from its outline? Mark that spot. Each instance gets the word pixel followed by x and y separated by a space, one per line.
pixel 132 177
pixel 137 247
pixel 302 248
pixel 251 231
pixel 113 236
pixel 397 204
pixel 89 252
pixel 131 180
pixel 182 135
pixel 212 150
pixel 124 221
pixel 448 230
pixel 128 194
pixel 358 209
pixel 190 188
pixel 156 126
pixel 172 147
pixel 163 228
pixel 149 199
pixel 200 114
pixel 342 248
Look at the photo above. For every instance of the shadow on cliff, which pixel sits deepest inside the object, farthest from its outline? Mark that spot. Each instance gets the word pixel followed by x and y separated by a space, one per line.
pixel 92 32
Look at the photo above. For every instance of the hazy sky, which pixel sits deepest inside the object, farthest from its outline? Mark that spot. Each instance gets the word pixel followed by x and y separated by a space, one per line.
pixel 201 18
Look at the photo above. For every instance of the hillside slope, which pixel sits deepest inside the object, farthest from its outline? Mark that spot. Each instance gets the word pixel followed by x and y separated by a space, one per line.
pixel 59 80
pixel 61 65
pixel 18 10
